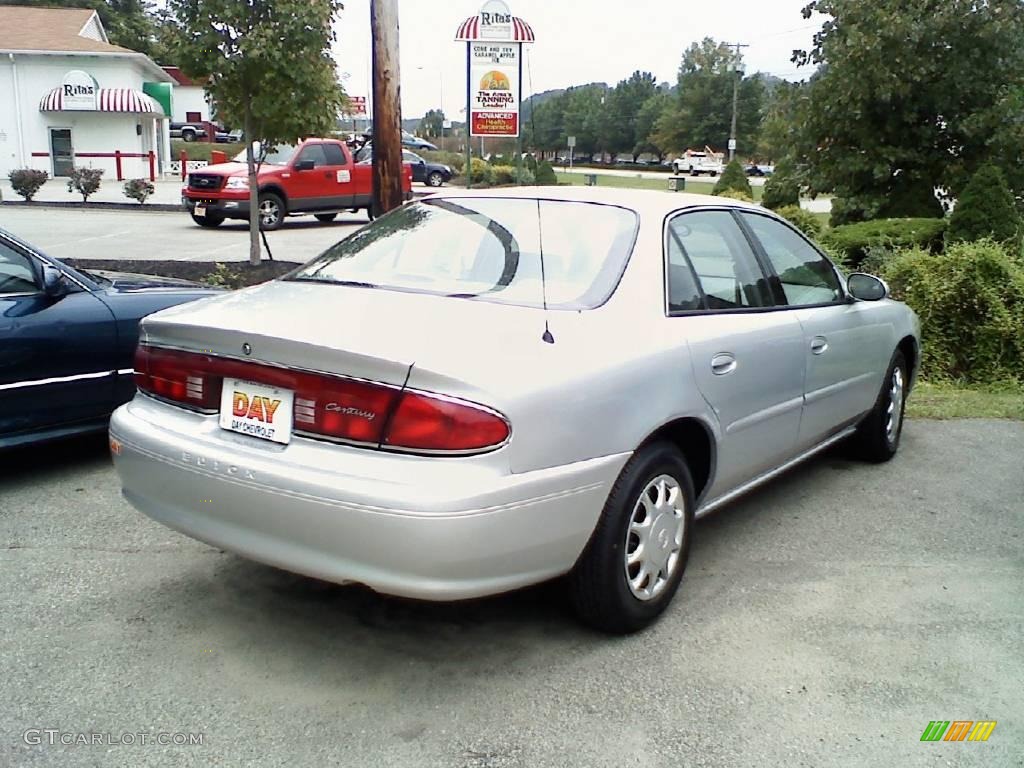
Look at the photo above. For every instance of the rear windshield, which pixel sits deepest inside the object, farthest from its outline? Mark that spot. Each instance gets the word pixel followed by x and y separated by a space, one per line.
pixel 488 249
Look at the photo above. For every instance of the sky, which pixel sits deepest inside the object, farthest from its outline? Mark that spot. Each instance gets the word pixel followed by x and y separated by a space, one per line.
pixel 576 42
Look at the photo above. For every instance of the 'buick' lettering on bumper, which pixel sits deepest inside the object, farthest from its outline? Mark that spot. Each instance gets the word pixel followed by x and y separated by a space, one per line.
pixel 234 470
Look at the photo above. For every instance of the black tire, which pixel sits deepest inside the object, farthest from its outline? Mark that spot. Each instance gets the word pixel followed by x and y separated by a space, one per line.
pixel 598 586
pixel 188 135
pixel 210 220
pixel 435 179
pixel 273 217
pixel 326 217
pixel 876 440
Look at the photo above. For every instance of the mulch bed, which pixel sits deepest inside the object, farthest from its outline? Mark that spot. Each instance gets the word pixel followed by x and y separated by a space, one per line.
pixel 230 274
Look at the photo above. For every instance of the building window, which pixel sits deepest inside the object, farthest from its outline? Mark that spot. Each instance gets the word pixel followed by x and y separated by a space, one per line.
pixel 193 117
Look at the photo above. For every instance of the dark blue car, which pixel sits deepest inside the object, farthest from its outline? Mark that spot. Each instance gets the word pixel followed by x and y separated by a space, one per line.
pixel 67 341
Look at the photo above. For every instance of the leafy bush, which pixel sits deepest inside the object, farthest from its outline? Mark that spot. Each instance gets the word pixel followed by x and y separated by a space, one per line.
pixel 545 174
pixel 733 177
pixel 735 194
pixel 221 277
pixel 803 220
pixel 481 173
pixel 27 181
pixel 139 189
pixel 85 181
pixel 781 189
pixel 531 163
pixel 503 174
pixel 454 160
pixel 853 241
pixel 971 304
pixel 985 209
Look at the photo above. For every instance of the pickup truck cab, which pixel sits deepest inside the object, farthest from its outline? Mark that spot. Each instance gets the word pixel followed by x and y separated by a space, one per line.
pixel 316 176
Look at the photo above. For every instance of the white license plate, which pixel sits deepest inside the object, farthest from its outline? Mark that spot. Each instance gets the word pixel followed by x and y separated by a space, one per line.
pixel 257 410
pixel 200 209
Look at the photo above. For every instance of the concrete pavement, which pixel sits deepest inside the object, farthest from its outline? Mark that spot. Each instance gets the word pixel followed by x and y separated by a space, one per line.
pixel 155 235
pixel 823 622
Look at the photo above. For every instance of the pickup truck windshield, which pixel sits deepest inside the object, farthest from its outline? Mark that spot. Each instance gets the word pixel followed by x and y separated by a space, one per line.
pixel 487 249
pixel 276 155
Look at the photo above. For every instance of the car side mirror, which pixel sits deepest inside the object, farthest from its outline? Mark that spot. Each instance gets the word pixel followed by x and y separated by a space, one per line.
pixel 54 284
pixel 304 165
pixel 866 287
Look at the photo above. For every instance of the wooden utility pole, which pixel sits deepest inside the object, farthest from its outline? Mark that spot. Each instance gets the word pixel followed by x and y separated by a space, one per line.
pixel 735 97
pixel 387 107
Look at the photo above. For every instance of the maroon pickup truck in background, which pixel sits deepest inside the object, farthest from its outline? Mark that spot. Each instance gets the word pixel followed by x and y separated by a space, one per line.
pixel 318 177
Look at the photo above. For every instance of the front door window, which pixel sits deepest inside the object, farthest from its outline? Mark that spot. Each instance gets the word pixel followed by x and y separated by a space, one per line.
pixel 61 151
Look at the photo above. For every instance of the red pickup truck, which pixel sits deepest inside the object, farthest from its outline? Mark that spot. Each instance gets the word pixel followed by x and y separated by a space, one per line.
pixel 318 177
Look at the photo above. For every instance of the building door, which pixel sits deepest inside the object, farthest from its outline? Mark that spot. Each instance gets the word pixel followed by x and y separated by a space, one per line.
pixel 61 151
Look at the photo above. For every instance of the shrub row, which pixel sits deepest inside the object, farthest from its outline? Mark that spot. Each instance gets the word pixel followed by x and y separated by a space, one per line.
pixel 971 303
pixel 855 242
pixel 86 181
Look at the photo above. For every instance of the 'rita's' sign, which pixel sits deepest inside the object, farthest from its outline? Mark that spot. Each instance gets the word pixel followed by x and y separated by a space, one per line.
pixel 78 91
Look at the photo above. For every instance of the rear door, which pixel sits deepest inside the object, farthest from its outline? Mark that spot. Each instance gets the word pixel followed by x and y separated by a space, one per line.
pixel 57 357
pixel 845 349
pixel 745 350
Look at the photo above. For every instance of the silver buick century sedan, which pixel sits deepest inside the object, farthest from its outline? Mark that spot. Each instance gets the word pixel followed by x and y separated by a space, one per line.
pixel 481 391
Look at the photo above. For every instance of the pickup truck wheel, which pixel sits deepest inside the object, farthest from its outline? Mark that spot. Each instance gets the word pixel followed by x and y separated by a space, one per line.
pixel 188 135
pixel 435 179
pixel 271 211
pixel 210 220
pixel 325 217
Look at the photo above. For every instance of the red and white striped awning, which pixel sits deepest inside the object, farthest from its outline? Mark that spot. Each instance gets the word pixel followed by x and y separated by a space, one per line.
pixel 470 30
pixel 108 100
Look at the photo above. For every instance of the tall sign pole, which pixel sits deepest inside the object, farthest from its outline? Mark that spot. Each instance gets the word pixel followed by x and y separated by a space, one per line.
pixel 387 108
pixel 494 74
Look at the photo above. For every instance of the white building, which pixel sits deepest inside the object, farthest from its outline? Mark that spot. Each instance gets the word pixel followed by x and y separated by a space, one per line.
pixel 69 98
pixel 190 102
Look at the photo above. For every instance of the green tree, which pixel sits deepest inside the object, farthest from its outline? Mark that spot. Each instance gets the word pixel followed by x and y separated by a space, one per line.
pixel 622 111
pixel 270 70
pixel 432 124
pixel 985 209
pixel 734 178
pixel 703 111
pixel 782 188
pixel 647 124
pixel 911 96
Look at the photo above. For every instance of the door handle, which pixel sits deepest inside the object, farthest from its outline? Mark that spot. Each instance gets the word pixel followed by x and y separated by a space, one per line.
pixel 723 363
pixel 819 345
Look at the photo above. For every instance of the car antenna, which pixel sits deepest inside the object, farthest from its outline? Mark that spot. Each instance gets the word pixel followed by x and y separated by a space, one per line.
pixel 546 337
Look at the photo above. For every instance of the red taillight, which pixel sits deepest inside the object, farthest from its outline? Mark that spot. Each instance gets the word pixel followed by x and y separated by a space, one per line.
pixel 332 406
pixel 427 423
pixel 178 376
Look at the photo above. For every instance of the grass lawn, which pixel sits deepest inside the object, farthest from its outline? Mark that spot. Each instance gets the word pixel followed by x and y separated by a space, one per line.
pixel 947 401
pixel 634 182
pixel 200 150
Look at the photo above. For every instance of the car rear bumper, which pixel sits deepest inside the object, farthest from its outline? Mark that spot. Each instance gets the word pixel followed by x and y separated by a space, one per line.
pixel 421 527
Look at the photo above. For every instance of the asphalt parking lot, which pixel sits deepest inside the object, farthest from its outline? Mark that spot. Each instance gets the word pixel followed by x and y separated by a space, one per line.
pixel 823 621
pixel 101 234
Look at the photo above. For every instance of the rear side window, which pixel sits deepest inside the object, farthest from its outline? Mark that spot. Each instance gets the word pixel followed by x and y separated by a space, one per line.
pixel 806 277
pixel 334 154
pixel 725 267
pixel 488 249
